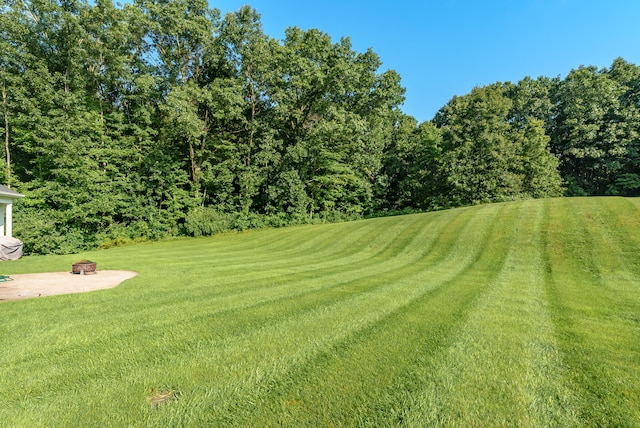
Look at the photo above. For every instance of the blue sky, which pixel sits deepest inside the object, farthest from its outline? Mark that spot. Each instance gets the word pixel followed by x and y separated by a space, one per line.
pixel 447 47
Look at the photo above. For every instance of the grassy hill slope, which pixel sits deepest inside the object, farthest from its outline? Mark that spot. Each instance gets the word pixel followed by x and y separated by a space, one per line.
pixel 524 313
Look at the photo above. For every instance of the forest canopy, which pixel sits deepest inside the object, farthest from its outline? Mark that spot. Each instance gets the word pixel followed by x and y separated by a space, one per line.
pixel 161 118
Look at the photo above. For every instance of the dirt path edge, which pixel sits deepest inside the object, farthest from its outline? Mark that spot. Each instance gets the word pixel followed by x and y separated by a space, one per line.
pixel 25 286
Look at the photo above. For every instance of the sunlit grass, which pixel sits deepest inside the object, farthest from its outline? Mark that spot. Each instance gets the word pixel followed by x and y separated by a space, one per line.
pixel 521 313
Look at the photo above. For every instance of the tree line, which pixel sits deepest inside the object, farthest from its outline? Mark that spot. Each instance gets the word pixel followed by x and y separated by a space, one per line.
pixel 163 117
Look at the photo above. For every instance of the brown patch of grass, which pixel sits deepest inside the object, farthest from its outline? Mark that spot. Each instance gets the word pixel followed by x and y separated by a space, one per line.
pixel 160 396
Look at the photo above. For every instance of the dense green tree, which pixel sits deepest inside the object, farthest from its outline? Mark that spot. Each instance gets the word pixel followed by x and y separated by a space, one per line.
pixel 245 147
pixel 329 105
pixel 79 145
pixel 489 157
pixel 57 129
pixel 181 34
pixel 591 133
pixel 531 99
pixel 13 59
pixel 478 156
pixel 627 179
pixel 161 117
pixel 535 164
pixel 413 167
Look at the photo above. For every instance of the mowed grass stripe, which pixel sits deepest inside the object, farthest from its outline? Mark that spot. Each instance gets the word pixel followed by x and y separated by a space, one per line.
pixel 271 246
pixel 197 281
pixel 363 366
pixel 252 291
pixel 341 252
pixel 77 331
pixel 598 333
pixel 388 253
pixel 381 322
pixel 505 350
pixel 216 253
pixel 617 221
pixel 227 306
pixel 207 336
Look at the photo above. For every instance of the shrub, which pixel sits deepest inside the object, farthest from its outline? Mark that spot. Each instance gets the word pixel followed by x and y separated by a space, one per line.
pixel 206 221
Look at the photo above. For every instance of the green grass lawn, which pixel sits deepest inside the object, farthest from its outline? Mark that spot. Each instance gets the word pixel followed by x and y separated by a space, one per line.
pixel 514 314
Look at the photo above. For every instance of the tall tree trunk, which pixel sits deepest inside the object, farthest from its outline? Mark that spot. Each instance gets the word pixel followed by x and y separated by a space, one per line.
pixel 194 164
pixel 6 132
pixel 253 118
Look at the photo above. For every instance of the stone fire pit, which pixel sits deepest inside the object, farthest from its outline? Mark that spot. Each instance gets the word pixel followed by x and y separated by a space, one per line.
pixel 84 267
